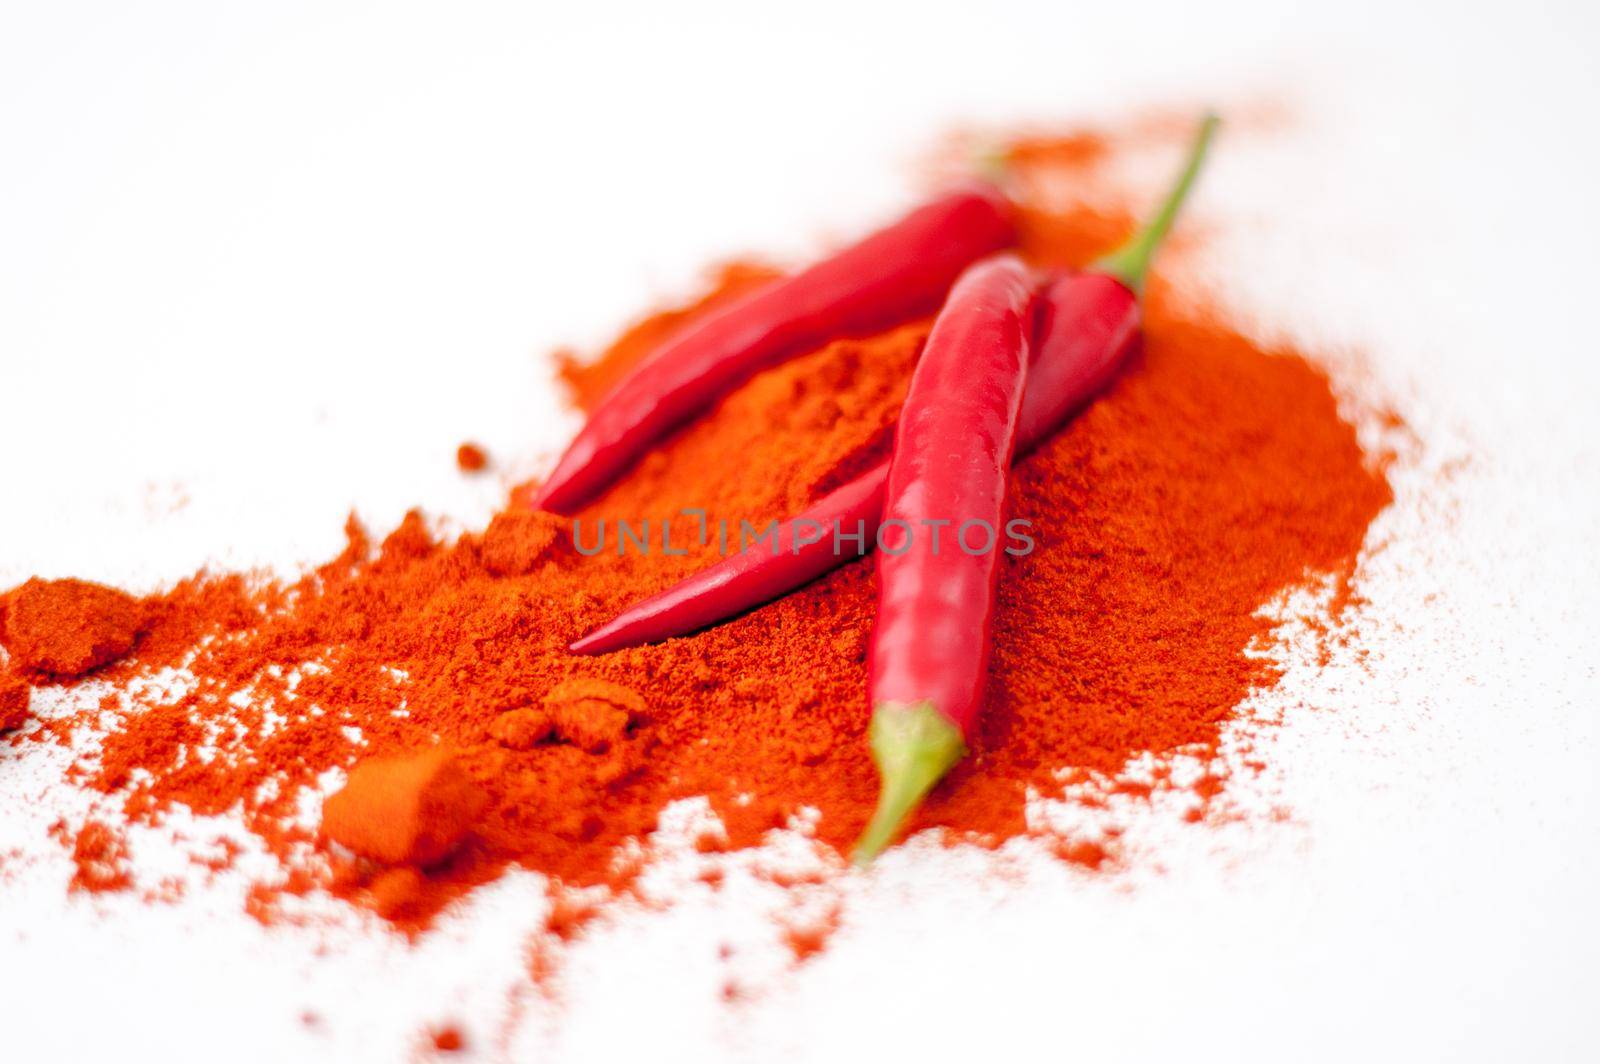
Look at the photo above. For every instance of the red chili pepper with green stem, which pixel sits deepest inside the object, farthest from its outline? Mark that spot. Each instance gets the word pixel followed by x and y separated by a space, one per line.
pixel 929 656
pixel 1086 329
pixel 930 649
pixel 891 276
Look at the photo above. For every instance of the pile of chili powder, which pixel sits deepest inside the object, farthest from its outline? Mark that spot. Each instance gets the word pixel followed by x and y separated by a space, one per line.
pixel 1214 477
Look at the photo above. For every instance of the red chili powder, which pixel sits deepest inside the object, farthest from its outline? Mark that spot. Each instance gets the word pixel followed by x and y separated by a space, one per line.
pixel 65 628
pixel 15 694
pixel 447 1040
pixel 471 458
pixel 1215 475
pixel 100 855
pixel 411 810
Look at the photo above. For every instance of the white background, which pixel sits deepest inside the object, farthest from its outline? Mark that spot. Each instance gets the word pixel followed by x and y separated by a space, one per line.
pixel 263 263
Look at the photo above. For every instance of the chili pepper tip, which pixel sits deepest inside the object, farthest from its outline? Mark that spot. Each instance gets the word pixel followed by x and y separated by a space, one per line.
pixel 599 641
pixel 992 163
pixel 913 745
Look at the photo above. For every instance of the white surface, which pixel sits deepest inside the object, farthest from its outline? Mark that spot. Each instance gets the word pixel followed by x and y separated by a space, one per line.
pixel 205 205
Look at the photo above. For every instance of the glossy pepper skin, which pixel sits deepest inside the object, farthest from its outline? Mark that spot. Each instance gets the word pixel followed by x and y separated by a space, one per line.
pixel 1086 326
pixel 893 275
pixel 929 656
pixel 755 575
pixel 952 459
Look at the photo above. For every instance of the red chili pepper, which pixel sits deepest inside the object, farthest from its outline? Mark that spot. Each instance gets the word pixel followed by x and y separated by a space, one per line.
pixel 930 650
pixel 929 656
pixel 891 276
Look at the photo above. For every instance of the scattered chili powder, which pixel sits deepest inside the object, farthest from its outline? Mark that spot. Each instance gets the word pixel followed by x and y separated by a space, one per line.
pixel 65 628
pixel 15 694
pixel 471 458
pixel 808 937
pixel 101 857
pixel 518 540
pixel 448 1040
pixel 1215 475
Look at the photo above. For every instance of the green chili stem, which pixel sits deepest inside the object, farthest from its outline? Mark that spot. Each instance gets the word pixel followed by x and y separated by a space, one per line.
pixel 1131 261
